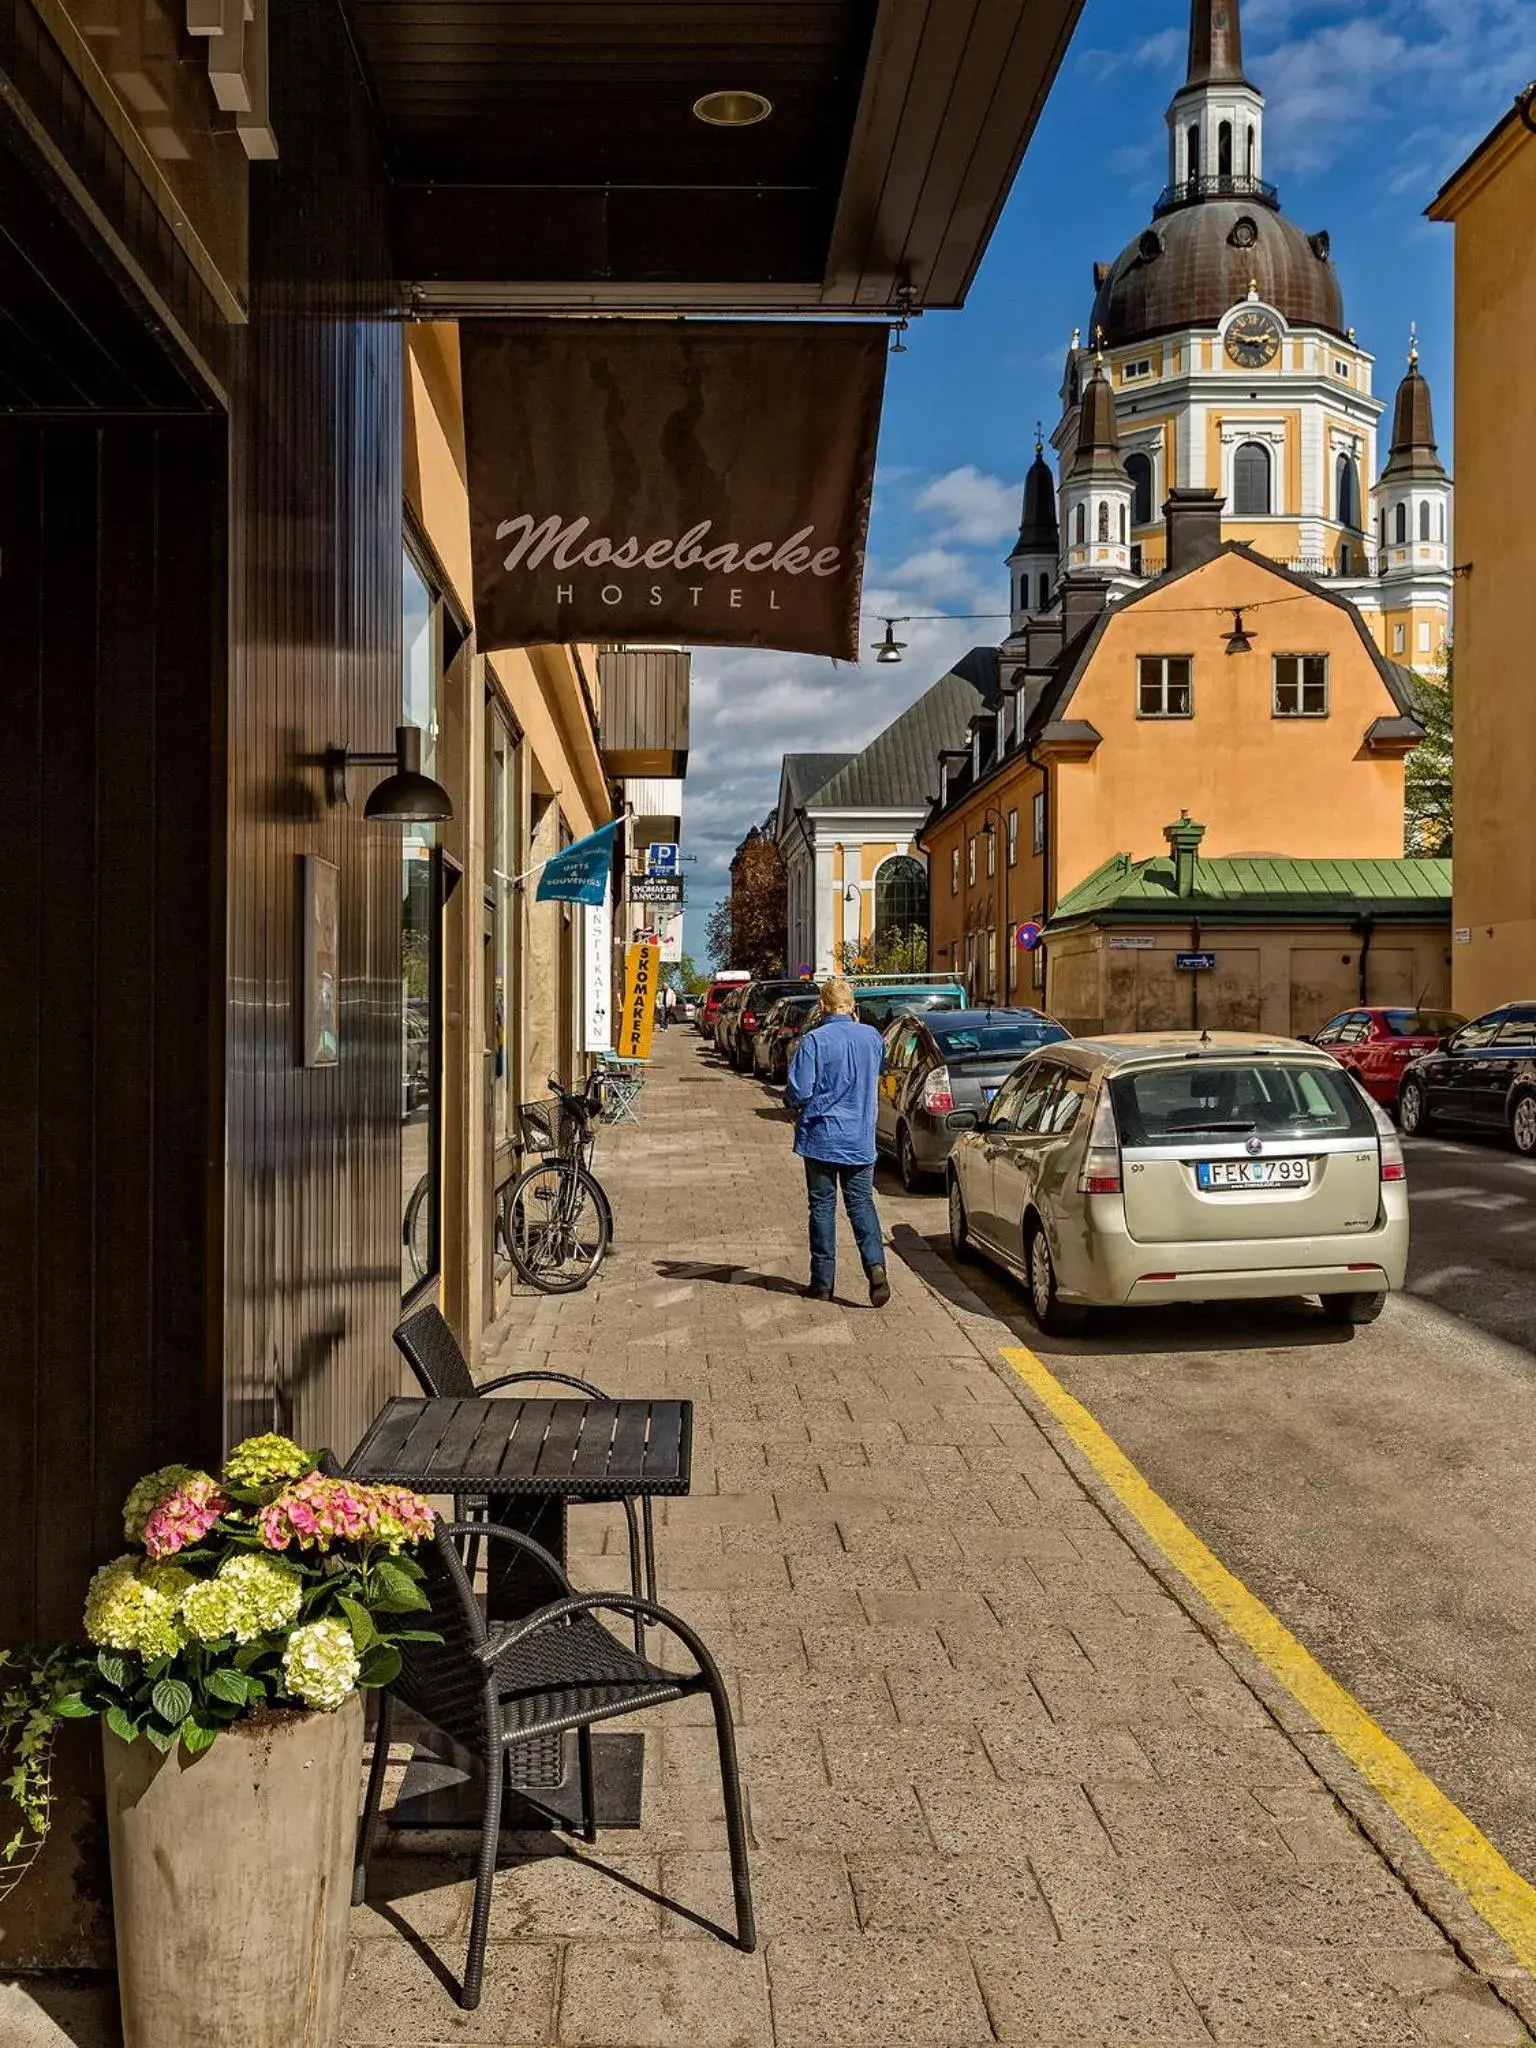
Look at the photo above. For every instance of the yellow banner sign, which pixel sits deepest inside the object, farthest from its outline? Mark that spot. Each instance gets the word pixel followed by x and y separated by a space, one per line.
pixel 637 1018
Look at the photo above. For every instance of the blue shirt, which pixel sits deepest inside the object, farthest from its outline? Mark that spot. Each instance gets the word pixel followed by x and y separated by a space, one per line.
pixel 832 1083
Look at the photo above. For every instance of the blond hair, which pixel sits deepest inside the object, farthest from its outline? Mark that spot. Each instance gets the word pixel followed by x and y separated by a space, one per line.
pixel 836 996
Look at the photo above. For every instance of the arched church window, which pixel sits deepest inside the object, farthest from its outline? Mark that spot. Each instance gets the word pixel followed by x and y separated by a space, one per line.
pixel 1045 590
pixel 1442 522
pixel 1224 150
pixel 1103 520
pixel 1139 469
pixel 1124 536
pixel 901 895
pixel 1253 143
pixel 1080 525
pixel 1194 152
pixel 1250 480
pixel 1424 519
pixel 1347 491
pixel 1400 525
pixel 1383 524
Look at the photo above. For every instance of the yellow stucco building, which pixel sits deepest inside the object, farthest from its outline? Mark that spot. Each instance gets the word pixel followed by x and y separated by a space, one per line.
pixel 1492 201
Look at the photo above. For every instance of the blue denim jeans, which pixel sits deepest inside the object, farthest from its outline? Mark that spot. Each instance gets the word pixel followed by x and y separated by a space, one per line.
pixel 822 1181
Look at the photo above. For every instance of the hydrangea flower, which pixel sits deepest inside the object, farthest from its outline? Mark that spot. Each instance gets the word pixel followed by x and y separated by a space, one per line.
pixel 320 1664
pixel 126 1612
pixel 147 1494
pixel 266 1595
pixel 315 1512
pixel 210 1608
pixel 184 1516
pixel 264 1460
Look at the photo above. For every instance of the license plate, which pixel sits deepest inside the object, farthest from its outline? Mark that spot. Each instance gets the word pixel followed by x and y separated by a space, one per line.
pixel 1217 1175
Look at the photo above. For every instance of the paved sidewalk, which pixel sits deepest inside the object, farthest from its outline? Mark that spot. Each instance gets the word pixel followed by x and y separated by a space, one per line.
pixel 1000 1787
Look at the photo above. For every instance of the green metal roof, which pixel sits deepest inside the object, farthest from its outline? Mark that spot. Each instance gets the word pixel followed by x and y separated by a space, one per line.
pixel 1259 885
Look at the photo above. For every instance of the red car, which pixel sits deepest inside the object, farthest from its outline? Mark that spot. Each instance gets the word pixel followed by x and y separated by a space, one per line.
pixel 714 996
pixel 1376 1045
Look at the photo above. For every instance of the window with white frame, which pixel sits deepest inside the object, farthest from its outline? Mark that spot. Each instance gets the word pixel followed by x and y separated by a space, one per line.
pixel 1039 821
pixel 970 859
pixel 1341 369
pixel 1424 643
pixel 1013 958
pixel 1301 686
pixel 991 839
pixel 954 871
pixel 1037 968
pixel 1164 686
pixel 1132 373
pixel 1013 839
pixel 1399 639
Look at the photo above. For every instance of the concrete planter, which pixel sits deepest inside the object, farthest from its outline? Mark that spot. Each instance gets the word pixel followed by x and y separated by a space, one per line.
pixel 231 1877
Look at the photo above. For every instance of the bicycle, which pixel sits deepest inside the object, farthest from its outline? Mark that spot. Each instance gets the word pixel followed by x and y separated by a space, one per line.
pixel 558 1220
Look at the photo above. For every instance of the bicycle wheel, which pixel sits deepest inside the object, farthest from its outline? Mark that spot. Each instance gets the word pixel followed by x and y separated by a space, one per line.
pixel 417 1229
pixel 559 1226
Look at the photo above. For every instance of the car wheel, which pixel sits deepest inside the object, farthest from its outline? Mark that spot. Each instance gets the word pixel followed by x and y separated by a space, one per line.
pixel 1412 1110
pixel 959 1236
pixel 1353 1308
pixel 1522 1126
pixel 912 1175
pixel 1055 1317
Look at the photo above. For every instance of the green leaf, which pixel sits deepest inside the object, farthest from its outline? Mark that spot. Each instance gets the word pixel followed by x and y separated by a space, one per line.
pixel 73 1708
pixel 164 1739
pixel 360 1621
pixel 122 1724
pixel 113 1668
pixel 381 1666
pixel 228 1684
pixel 197 1736
pixel 248 1654
pixel 411 1635
pixel 394 1592
pixel 172 1701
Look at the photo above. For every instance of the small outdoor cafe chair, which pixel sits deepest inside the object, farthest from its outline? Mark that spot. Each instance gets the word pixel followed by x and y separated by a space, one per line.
pixel 556 1670
pixel 432 1352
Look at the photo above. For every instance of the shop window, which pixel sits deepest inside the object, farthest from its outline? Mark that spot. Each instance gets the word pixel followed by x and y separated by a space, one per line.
pixel 1301 686
pixel 421 1060
pixel 1164 686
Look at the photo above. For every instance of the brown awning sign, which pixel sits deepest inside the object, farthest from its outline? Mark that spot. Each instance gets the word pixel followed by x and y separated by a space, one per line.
pixel 703 481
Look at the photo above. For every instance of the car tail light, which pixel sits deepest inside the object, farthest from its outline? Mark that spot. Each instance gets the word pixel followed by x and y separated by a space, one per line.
pixel 938 1094
pixel 1100 1173
pixel 1391 1148
pixel 748 1021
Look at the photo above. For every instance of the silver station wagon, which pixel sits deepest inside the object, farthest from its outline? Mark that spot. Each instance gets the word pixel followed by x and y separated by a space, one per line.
pixel 1216 1166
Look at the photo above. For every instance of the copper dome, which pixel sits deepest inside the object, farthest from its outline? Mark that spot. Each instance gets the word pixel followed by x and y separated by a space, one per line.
pixel 1196 261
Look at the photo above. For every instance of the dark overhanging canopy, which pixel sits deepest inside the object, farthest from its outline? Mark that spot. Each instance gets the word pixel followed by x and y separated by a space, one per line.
pixel 546 154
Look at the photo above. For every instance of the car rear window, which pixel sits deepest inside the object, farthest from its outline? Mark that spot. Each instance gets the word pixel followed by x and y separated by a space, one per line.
pixel 891 1003
pixel 1233 1099
pixel 994 1041
pixel 1422 1023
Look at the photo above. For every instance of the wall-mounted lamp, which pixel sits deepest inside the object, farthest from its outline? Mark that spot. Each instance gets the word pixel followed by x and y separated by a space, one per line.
pixel 889 649
pixel 1237 640
pixel 405 798
pixel 852 893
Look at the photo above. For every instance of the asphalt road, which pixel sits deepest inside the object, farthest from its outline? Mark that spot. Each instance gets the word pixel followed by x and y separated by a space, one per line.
pixel 1376 1486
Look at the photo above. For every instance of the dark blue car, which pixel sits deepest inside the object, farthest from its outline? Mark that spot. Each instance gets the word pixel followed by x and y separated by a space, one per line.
pixel 1481 1078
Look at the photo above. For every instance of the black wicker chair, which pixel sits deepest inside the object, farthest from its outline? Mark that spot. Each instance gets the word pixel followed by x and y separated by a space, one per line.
pixel 555 1671
pixel 432 1352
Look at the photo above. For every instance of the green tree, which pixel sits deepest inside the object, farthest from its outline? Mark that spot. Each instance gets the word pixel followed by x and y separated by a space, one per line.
pixel 890 951
pixel 717 934
pixel 689 976
pixel 1427 778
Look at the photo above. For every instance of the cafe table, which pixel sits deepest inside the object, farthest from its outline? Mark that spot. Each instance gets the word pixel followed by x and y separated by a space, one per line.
pixel 528 1460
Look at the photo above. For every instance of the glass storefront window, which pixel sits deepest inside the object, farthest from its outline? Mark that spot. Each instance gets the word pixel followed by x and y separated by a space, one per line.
pixel 420 1063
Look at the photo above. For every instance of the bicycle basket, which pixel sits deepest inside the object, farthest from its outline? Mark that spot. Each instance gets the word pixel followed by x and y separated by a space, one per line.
pixel 546 1126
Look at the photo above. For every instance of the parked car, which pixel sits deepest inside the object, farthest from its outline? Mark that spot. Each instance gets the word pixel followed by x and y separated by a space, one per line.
pixel 687 1006
pixel 880 1003
pixel 1170 1167
pixel 757 999
pixel 1482 1078
pixel 1378 1045
pixel 725 1013
pixel 940 1073
pixel 774 1041
pixel 709 1009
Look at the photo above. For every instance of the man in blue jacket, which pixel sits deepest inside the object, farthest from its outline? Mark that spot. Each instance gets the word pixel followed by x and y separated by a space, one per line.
pixel 832 1082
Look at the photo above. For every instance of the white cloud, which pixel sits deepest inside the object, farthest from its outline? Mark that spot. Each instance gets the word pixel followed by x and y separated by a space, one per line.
pixel 970 506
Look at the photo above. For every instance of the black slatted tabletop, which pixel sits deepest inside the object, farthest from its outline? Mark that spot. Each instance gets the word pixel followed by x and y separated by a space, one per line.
pixel 565 1450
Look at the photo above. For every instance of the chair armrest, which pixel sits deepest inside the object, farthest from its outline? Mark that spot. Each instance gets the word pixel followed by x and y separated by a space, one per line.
pixel 519 1541
pixel 551 1379
pixel 508 1639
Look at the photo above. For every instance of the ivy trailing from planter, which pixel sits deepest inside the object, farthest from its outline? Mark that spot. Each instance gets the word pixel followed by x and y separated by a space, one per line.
pixel 276 1586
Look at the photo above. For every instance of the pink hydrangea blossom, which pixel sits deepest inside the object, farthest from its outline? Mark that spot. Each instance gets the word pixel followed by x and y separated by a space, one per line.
pixel 184 1517
pixel 315 1512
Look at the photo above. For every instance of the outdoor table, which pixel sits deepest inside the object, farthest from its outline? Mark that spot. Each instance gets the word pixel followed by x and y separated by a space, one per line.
pixel 624 1078
pixel 528 1460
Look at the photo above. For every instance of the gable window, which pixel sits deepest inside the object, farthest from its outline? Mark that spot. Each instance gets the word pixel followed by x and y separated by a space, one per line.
pixel 1139 469
pixel 1163 686
pixel 1301 686
pixel 1250 481
pixel 954 871
pixel 1039 821
pixel 1013 839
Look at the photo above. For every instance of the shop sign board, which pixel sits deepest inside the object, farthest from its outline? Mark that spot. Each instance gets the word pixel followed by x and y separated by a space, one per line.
pixel 637 1014
pixel 597 944
pixel 698 481
pixel 655 889
pixel 661 857
pixel 1132 942
pixel 1194 963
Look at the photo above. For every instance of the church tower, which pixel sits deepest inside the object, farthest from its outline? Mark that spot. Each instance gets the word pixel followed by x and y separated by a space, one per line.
pixel 1096 491
pixel 1036 553
pixel 1413 525
pixel 1216 119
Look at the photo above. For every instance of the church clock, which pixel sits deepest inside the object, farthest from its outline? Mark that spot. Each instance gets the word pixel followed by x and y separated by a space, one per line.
pixel 1253 339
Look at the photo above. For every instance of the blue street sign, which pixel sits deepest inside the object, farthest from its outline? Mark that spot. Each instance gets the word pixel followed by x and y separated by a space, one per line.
pixel 661 859
pixel 1194 963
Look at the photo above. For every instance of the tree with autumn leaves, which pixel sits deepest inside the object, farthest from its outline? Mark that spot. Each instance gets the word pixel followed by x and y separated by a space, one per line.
pixel 750 928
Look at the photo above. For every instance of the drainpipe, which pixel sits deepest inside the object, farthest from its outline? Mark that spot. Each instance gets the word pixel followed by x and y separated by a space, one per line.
pixel 1045 869
pixel 1366 928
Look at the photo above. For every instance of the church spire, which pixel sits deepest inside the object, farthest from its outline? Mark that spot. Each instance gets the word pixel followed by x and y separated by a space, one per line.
pixel 1215 43
pixel 1413 451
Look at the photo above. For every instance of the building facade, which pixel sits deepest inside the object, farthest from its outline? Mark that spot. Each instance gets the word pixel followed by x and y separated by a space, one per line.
pixel 1218 338
pixel 1492 201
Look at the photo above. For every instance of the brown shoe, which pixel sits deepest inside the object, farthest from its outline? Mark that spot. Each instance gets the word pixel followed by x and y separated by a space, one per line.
pixel 818 1294
pixel 879 1287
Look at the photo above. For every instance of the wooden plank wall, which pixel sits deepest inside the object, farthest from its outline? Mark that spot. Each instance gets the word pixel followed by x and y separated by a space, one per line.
pixel 313 1167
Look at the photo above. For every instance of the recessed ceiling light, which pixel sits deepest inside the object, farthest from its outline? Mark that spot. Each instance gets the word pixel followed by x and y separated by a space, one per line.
pixel 733 109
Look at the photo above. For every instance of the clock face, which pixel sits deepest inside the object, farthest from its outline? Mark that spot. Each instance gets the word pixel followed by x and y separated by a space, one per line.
pixel 1253 339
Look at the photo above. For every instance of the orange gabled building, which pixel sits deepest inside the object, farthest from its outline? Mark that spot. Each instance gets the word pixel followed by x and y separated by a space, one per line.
pixel 1230 687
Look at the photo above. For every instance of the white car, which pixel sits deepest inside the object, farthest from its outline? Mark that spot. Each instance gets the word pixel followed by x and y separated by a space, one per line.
pixel 1184 1166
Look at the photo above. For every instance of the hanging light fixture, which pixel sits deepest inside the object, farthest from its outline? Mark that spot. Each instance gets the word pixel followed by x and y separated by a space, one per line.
pixel 405 798
pixel 732 108
pixel 888 649
pixel 1237 640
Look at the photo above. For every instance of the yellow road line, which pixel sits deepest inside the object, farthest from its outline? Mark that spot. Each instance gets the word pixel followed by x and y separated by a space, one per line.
pixel 1463 1852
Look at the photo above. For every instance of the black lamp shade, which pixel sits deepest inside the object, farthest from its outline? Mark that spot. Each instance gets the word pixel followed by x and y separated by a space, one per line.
pixel 408 797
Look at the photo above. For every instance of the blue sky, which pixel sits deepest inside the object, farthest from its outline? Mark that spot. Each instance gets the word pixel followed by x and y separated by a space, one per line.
pixel 1369 108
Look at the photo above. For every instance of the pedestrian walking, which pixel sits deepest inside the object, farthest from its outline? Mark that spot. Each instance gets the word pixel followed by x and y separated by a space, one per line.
pixel 666 1003
pixel 832 1082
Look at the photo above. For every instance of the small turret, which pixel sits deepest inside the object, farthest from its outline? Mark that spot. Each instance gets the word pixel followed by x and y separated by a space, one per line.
pixel 1413 498
pixel 1037 551
pixel 1096 490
